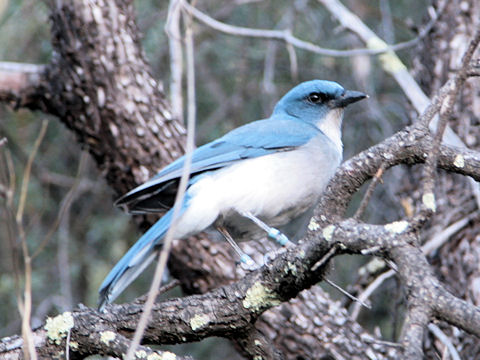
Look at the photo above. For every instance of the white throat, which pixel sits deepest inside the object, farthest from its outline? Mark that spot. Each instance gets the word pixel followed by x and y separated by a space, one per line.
pixel 332 127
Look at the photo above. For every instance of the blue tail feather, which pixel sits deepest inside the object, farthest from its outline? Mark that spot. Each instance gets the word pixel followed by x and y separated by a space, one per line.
pixel 134 261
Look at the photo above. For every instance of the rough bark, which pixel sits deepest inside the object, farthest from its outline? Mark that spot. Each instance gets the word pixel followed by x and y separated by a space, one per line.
pixel 456 263
pixel 99 85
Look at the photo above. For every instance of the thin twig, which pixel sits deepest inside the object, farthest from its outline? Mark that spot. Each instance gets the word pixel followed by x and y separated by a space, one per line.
pixel 7 175
pixel 428 248
pixel 440 238
pixel 364 295
pixel 172 28
pixel 163 289
pixel 440 335
pixel 65 205
pixel 347 294
pixel 287 37
pixel 67 344
pixel 325 258
pixel 368 194
pixel 167 243
pixel 27 172
pixel 25 306
pixel 390 62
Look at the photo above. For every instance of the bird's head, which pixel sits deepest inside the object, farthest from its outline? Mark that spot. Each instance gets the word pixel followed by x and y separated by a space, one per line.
pixel 319 102
pixel 312 100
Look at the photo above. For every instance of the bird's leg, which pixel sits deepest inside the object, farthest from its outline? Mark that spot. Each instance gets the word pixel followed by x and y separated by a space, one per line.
pixel 272 232
pixel 246 260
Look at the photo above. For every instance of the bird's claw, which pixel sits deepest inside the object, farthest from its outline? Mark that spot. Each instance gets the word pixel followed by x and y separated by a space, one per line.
pixel 247 263
pixel 278 236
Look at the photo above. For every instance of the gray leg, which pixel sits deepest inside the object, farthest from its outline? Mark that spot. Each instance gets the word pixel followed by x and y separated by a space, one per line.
pixel 272 233
pixel 246 260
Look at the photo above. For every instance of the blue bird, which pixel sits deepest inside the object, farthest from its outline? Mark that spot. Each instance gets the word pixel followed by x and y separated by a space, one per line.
pixel 263 178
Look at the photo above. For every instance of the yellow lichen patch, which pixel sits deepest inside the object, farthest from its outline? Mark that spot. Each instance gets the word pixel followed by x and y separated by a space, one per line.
pixel 375 265
pixel 154 356
pixel 167 355
pixel 428 200
pixel 140 354
pixel 397 227
pixel 459 161
pixel 107 336
pixel 73 345
pixel 258 297
pixel 58 327
pixel 328 232
pixel 390 61
pixel 313 225
pixel 198 321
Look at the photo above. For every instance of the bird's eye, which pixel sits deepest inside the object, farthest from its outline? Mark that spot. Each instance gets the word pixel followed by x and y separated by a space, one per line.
pixel 316 98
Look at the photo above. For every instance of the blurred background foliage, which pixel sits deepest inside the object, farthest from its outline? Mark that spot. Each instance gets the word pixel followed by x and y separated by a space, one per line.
pixel 237 80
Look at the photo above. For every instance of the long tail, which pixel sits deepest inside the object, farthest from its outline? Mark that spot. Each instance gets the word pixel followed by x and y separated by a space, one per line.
pixel 140 255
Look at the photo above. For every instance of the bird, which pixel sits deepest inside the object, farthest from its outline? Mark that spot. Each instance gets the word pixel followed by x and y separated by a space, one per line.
pixel 262 178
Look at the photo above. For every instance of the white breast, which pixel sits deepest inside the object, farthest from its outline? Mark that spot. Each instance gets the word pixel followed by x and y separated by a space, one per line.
pixel 332 127
pixel 274 187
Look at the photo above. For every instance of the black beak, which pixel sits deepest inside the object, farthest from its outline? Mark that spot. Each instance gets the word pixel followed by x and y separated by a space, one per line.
pixel 349 97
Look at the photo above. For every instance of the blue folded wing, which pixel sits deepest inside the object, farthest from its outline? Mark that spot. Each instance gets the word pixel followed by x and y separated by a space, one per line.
pixel 256 139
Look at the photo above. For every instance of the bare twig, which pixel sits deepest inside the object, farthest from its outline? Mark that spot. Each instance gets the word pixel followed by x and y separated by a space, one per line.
pixel 363 205
pixel 27 172
pixel 326 258
pixel 440 238
pixel 440 335
pixel 172 28
pixel 428 248
pixel 163 289
pixel 389 60
pixel 347 294
pixel 8 179
pixel 167 243
pixel 65 205
pixel 364 295
pixel 25 306
pixel 63 219
pixel 287 37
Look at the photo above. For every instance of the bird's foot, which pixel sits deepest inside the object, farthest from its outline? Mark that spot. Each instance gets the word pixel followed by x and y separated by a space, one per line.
pixel 278 236
pixel 269 257
pixel 247 263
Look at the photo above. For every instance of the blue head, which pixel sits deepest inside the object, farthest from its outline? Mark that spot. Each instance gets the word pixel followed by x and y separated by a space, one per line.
pixel 311 101
pixel 320 103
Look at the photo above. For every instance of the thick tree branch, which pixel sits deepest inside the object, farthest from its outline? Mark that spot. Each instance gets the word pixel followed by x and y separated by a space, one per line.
pixel 242 302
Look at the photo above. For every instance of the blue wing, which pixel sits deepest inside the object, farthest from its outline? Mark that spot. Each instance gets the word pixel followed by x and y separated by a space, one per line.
pixel 255 139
